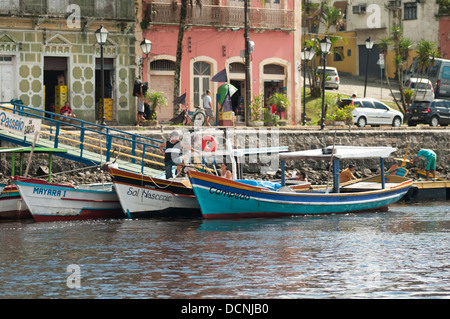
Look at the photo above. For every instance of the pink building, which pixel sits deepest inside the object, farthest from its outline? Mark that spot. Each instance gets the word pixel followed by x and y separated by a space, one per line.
pixel 444 36
pixel 214 40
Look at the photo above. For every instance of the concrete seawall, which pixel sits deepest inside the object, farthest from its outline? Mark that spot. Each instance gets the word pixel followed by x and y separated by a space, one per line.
pixel 437 139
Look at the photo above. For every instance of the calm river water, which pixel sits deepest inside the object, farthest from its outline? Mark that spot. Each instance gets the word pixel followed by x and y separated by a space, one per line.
pixel 403 253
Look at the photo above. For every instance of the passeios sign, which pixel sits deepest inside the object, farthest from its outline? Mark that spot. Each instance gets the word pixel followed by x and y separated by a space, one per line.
pixel 19 124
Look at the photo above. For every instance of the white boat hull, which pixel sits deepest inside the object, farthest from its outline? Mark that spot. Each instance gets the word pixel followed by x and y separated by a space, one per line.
pixel 152 202
pixel 51 202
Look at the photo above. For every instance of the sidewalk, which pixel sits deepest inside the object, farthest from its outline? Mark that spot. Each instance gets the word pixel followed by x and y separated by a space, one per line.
pixel 351 84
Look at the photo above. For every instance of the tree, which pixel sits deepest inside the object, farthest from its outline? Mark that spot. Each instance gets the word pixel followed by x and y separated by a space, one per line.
pixel 426 55
pixel 401 47
pixel 328 16
pixel 179 55
pixel 426 52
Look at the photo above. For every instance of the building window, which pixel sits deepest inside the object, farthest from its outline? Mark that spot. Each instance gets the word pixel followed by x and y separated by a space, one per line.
pixel 410 11
pixel 202 76
pixel 162 65
pixel 338 54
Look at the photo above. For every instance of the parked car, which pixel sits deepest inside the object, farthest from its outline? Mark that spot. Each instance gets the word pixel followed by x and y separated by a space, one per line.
pixel 433 112
pixel 438 73
pixel 331 77
pixel 422 88
pixel 372 112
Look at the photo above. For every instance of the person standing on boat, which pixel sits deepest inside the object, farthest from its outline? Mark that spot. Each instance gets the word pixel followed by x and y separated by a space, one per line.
pixel 347 174
pixel 171 150
pixel 430 161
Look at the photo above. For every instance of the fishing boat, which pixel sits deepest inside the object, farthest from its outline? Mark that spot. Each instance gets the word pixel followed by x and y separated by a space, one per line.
pixel 11 203
pixel 222 198
pixel 143 196
pixel 59 202
pixel 435 189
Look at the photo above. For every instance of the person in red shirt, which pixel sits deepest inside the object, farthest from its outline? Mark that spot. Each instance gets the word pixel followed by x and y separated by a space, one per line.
pixel 67 111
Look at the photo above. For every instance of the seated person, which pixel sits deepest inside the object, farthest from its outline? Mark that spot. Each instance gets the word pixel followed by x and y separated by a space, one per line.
pixel 302 176
pixel 347 174
pixel 67 111
pixel 224 172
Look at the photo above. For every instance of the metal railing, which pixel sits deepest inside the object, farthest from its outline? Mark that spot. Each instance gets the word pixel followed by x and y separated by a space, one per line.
pixel 85 136
pixel 222 16
pixel 115 9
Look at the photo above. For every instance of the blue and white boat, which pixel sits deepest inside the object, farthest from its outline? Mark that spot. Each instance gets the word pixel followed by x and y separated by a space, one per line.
pixel 59 202
pixel 223 198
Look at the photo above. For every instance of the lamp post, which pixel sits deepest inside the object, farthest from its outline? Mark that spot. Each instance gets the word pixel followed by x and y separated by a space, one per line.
pixel 369 46
pixel 325 46
pixel 248 89
pixel 307 55
pixel 146 47
pixel 101 35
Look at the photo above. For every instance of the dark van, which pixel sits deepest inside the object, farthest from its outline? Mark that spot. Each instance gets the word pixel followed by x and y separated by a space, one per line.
pixel 433 112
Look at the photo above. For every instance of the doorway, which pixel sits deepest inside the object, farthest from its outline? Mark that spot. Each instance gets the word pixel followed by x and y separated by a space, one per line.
pixel 7 79
pixel 108 68
pixel 55 74
pixel 237 99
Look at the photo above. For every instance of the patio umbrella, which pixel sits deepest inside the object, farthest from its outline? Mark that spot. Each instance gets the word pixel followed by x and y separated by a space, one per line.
pixel 224 89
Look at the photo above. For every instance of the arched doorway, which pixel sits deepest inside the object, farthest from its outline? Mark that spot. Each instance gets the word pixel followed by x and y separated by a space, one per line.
pixel 201 78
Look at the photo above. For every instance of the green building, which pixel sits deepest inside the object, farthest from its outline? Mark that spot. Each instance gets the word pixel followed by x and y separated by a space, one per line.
pixel 49 53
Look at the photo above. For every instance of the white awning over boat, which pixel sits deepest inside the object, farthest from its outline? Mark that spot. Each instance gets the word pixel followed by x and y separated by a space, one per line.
pixel 340 152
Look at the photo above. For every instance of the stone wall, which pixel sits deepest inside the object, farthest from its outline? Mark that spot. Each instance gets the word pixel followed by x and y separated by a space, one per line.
pixel 317 171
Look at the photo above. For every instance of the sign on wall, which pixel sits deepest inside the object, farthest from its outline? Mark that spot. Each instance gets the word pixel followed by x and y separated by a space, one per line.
pixel 17 124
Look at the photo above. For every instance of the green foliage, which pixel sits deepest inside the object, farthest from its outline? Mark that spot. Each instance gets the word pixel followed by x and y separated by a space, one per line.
pixel 269 117
pixel 156 99
pixel 256 106
pixel 408 95
pixel 342 113
pixel 444 7
pixel 280 101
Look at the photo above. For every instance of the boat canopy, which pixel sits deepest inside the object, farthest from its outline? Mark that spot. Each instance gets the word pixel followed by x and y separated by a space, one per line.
pixel 339 152
pixel 27 149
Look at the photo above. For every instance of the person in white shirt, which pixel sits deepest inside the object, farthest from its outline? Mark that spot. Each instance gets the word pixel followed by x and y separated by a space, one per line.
pixel 208 107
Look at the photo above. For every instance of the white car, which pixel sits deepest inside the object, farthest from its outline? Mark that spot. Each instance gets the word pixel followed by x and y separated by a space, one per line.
pixel 422 88
pixel 372 112
pixel 331 77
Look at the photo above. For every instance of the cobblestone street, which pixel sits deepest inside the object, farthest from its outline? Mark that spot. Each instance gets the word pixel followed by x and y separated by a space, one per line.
pixel 350 84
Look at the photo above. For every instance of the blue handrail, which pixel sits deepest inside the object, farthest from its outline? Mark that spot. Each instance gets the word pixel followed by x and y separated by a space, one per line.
pixel 107 133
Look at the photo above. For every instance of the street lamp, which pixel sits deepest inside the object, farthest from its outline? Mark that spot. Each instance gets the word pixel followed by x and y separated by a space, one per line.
pixel 307 55
pixel 369 46
pixel 325 46
pixel 146 47
pixel 101 35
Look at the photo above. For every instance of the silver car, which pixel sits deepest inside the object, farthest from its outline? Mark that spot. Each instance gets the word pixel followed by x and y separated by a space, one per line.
pixel 372 112
pixel 331 77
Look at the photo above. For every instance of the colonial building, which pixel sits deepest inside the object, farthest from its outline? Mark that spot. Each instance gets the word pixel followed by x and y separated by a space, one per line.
pixel 48 53
pixel 214 40
pixel 374 19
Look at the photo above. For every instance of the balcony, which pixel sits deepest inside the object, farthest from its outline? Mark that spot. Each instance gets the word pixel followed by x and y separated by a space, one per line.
pixel 221 16
pixel 112 9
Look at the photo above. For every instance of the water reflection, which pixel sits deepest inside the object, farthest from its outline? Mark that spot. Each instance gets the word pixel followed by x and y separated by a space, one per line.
pixel 401 253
